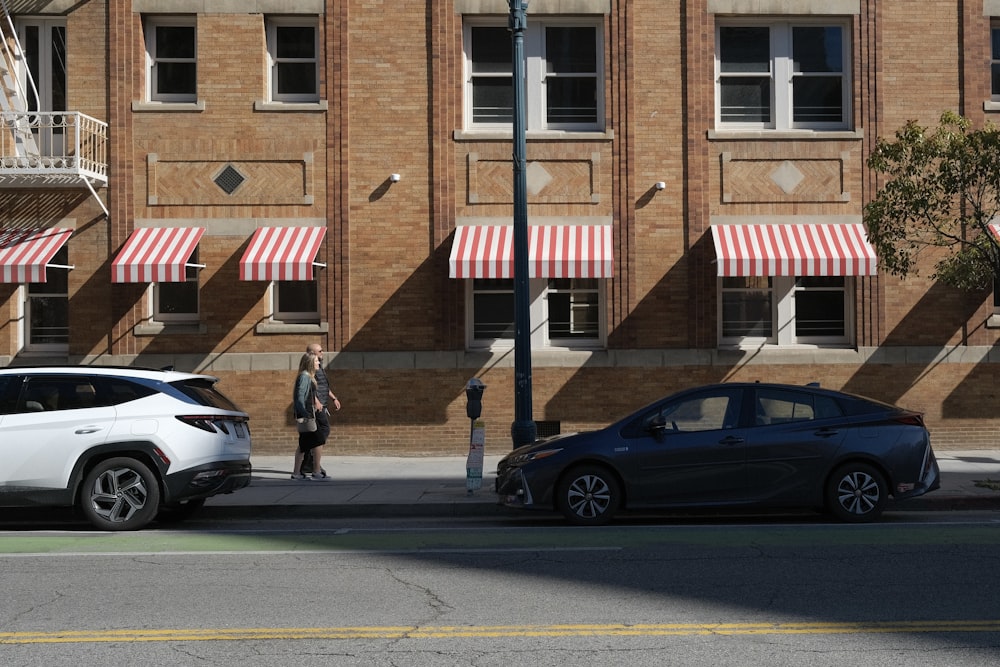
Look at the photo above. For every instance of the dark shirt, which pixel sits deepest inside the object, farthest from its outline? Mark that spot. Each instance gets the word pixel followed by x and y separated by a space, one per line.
pixel 322 386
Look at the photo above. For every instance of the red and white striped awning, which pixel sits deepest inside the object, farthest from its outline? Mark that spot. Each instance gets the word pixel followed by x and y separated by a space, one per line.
pixel 282 253
pixel 793 250
pixel 156 255
pixel 26 253
pixel 554 251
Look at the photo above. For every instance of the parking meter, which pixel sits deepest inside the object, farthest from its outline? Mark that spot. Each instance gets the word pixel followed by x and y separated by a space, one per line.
pixel 474 395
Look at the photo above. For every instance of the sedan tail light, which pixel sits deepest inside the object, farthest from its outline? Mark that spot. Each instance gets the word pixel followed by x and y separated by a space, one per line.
pixel 910 419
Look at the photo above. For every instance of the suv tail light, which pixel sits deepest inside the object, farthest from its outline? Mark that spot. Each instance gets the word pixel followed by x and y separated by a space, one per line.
pixel 210 423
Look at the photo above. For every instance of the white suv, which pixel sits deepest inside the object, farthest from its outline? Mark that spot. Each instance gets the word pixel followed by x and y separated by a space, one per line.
pixel 124 445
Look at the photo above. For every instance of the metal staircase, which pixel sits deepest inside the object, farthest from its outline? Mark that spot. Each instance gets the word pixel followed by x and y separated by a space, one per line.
pixel 55 148
pixel 13 100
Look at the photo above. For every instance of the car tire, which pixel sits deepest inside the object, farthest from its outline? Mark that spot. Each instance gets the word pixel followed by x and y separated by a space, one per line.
pixel 589 495
pixel 120 494
pixel 856 493
pixel 176 512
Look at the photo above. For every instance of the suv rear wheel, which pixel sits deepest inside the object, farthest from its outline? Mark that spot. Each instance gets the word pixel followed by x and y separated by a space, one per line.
pixel 120 494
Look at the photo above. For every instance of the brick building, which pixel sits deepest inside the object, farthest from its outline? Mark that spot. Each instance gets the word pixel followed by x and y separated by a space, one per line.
pixel 230 181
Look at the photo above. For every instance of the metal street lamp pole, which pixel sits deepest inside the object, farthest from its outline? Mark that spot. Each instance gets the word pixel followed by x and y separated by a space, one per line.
pixel 523 430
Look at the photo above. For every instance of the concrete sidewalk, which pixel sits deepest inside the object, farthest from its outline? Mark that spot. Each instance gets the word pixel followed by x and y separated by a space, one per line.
pixel 438 486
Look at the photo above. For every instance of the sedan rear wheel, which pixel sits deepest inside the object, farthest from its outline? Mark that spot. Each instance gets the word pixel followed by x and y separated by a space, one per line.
pixel 589 496
pixel 856 492
pixel 120 494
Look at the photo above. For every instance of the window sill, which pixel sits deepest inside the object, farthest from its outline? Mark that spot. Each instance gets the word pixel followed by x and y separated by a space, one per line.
pixel 537 135
pixel 261 105
pixel 993 321
pixel 170 328
pixel 990 105
pixel 142 107
pixel 266 328
pixel 790 135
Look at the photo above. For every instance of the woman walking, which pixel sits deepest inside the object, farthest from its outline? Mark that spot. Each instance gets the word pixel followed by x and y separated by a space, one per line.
pixel 306 404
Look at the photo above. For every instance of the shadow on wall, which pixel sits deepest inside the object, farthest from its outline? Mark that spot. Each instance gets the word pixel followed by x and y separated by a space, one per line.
pixel 933 322
pixel 222 310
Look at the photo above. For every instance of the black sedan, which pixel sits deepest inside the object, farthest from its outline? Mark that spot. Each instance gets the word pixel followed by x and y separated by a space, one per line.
pixel 730 445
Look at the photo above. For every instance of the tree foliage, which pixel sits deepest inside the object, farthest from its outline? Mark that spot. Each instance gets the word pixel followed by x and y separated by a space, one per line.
pixel 942 191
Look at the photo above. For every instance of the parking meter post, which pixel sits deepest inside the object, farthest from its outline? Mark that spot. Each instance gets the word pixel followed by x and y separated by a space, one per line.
pixel 477 435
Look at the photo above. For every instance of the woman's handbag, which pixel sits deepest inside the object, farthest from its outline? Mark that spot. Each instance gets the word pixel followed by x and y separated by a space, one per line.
pixel 305 424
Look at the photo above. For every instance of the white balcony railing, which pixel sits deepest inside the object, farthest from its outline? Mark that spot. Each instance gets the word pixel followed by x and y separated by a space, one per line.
pixel 52 148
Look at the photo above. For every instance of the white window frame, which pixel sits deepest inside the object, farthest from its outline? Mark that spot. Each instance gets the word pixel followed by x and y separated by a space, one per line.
pixel 272 25
pixel 535 73
pixel 538 292
pixel 294 317
pixel 152 60
pixel 783 295
pixel 995 60
pixel 782 74
pixel 192 272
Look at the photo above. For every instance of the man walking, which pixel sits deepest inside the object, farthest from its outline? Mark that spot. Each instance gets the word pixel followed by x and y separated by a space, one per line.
pixel 325 395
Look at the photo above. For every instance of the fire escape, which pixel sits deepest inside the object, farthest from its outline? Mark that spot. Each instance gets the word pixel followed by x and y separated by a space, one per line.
pixel 44 149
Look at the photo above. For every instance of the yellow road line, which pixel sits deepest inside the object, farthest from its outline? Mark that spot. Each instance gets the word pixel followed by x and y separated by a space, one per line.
pixel 481 631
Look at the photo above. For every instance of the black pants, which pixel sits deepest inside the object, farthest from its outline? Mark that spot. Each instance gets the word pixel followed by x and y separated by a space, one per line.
pixel 320 435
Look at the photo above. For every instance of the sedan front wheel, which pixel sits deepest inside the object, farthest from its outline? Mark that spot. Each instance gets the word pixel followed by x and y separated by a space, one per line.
pixel 856 493
pixel 589 496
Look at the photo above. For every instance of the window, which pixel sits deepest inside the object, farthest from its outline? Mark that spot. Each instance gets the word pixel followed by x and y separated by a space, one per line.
pixel 178 302
pixel 296 300
pixel 171 59
pixel 778 310
pixel 995 62
pixel 574 311
pixel 779 406
pixel 564 312
pixel 563 75
pixel 706 411
pixel 783 75
pixel 48 307
pixel 293 48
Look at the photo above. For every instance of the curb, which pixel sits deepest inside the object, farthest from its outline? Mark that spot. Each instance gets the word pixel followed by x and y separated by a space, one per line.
pixel 355 510
pixel 492 510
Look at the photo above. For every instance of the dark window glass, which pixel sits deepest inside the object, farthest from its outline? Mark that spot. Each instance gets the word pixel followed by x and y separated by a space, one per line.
pixel 10 386
pixel 297 296
pixel 296 78
pixel 819 306
pixel 203 392
pixel 115 391
pixel 747 307
pixel 492 81
pixel 745 51
pixel 178 298
pixel 817 99
pixel 818 49
pixel 296 42
pixel 174 42
pixel 573 308
pixel 493 309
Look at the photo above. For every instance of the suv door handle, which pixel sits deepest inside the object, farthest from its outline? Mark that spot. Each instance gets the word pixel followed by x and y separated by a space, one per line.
pixel 86 429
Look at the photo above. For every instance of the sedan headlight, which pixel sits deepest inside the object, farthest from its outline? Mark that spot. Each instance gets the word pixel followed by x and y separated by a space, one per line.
pixel 533 456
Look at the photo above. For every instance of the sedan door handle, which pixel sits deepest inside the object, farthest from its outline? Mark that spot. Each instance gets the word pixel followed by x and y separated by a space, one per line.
pixel 826 432
pixel 731 440
pixel 86 430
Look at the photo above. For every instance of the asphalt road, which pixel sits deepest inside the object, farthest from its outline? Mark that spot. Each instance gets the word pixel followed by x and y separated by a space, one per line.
pixel 918 590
